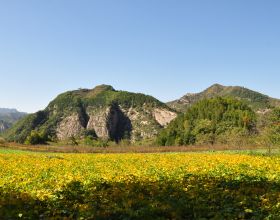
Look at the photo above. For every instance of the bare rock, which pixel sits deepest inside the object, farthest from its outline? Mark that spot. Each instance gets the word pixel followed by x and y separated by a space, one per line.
pixel 163 116
pixel 70 126
pixel 98 122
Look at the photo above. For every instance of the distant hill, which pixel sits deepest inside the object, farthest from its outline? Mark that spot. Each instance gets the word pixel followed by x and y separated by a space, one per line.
pixel 8 117
pixel 108 113
pixel 256 100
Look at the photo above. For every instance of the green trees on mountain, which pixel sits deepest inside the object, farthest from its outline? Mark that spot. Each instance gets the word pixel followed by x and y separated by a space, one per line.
pixel 270 133
pixel 211 121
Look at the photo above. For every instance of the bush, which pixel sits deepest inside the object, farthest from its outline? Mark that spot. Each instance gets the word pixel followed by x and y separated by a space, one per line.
pixel 96 142
pixel 89 134
pixel 101 143
pixel 35 137
pixel 2 141
pixel 73 141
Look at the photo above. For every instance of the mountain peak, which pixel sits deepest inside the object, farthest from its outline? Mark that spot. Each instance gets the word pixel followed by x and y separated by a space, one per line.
pixel 217 85
pixel 99 89
pixel 104 87
pixel 215 88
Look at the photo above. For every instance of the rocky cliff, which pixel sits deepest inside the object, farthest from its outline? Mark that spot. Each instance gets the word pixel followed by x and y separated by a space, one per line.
pixel 3 126
pixel 110 114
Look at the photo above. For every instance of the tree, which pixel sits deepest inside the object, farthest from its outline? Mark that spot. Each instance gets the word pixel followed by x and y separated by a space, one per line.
pixel 271 132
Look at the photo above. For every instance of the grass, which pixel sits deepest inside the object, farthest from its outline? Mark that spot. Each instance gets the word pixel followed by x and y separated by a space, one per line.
pixel 129 149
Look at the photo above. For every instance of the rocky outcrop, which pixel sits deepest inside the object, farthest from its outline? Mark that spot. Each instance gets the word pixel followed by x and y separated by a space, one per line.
pixel 146 122
pixel 116 123
pixel 3 126
pixel 98 121
pixel 107 123
pixel 70 126
pixel 163 116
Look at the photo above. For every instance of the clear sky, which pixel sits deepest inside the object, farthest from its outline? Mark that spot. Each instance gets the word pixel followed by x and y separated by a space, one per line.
pixel 164 48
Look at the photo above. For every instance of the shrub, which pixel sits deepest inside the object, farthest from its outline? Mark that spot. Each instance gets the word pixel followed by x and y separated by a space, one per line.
pixel 2 140
pixel 35 137
pixel 73 141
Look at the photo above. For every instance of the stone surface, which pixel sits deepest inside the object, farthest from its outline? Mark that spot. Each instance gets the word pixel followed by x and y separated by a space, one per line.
pixel 163 116
pixel 70 126
pixel 3 126
pixel 98 121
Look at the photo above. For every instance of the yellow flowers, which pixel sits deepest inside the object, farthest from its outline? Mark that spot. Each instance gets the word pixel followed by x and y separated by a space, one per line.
pixel 43 174
pixel 85 179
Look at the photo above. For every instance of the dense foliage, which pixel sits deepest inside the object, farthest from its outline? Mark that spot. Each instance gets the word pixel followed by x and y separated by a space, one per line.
pixel 270 133
pixel 210 121
pixel 136 186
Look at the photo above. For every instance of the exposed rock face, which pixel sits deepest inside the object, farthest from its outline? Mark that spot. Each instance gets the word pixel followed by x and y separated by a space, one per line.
pixel 98 121
pixel 163 116
pixel 116 123
pixel 119 124
pixel 70 126
pixel 146 123
pixel 3 126
pixel 109 123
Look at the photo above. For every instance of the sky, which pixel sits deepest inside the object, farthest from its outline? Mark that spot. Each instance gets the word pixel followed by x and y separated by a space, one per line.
pixel 164 48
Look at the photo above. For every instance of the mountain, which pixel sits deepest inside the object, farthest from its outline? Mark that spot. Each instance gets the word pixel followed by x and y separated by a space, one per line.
pixel 255 100
pixel 108 113
pixel 8 117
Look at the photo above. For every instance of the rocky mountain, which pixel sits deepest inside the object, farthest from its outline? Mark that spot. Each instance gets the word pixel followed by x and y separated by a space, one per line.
pixel 255 100
pixel 8 117
pixel 108 113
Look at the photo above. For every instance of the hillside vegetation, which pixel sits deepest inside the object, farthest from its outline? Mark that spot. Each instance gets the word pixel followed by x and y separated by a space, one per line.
pixel 255 100
pixel 210 121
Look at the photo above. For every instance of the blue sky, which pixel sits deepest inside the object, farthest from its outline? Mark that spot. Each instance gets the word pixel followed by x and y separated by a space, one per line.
pixel 164 48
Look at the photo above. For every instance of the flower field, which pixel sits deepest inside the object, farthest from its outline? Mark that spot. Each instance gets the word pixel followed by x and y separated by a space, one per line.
pixel 139 186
